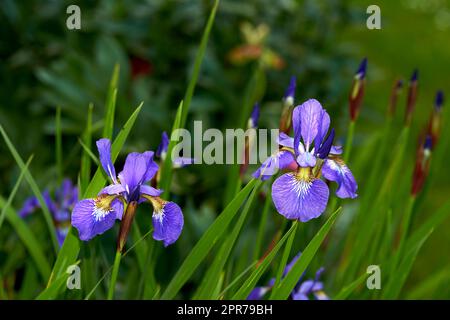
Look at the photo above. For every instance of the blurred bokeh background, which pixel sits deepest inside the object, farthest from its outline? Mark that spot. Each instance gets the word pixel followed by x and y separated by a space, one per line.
pixel 44 65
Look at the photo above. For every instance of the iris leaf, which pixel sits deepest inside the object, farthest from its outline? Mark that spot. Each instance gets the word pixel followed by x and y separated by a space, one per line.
pixel 206 242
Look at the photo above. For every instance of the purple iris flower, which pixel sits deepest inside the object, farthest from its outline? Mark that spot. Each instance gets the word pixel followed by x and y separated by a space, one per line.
pixel 95 216
pixel 304 290
pixel 65 198
pixel 161 153
pixel 301 194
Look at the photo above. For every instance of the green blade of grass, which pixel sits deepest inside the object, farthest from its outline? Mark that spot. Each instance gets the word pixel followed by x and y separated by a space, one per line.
pixel 198 62
pixel 238 278
pixel 58 143
pixel 348 289
pixel 426 288
pixel 206 242
pixel 14 191
pixel 34 187
pixel 28 239
pixel 86 141
pixel 253 279
pixel 213 274
pixel 291 279
pixel 71 247
pixel 89 153
pixel 398 279
pixel 284 258
pixel 110 104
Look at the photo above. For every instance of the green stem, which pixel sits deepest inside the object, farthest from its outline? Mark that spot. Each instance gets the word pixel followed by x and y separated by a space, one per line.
pixel 405 224
pixel 285 257
pixel 263 223
pixel 114 274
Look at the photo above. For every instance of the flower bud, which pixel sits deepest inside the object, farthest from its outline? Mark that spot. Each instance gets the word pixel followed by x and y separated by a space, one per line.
pixel 412 97
pixel 357 90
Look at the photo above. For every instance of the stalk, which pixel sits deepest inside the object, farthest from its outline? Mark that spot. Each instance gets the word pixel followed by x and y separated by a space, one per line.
pixel 114 274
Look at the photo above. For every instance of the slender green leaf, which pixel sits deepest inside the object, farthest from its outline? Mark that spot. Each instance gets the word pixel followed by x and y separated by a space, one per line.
pixel 348 290
pixel 110 104
pixel 58 142
pixel 86 141
pixel 214 271
pixel 28 239
pixel 198 62
pixel 14 191
pixel 291 279
pixel 253 279
pixel 34 187
pixel 207 241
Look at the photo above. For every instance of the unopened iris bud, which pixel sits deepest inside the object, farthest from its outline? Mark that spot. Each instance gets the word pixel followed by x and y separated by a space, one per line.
pixel 125 225
pixel 289 95
pixel 396 89
pixel 254 117
pixel 412 97
pixel 357 91
pixel 434 126
pixel 288 106
pixel 422 165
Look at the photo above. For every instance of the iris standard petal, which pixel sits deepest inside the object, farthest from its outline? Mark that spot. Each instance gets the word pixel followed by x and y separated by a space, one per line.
pixel 336 170
pixel 137 170
pixel 104 150
pixel 279 161
pixel 311 114
pixel 298 198
pixel 91 218
pixel 324 125
pixel 306 159
pixel 167 223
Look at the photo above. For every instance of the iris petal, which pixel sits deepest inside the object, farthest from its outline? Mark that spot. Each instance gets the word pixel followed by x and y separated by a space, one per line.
pixel 337 171
pixel 278 161
pixel 167 223
pixel 92 220
pixel 104 150
pixel 139 168
pixel 299 199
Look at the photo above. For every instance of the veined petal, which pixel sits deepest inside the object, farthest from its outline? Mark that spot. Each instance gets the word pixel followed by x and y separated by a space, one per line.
pixel 92 216
pixel 138 169
pixel 280 160
pixel 167 223
pixel 311 115
pixel 150 191
pixel 336 170
pixel 324 125
pixel 104 150
pixel 285 141
pixel 113 189
pixel 302 198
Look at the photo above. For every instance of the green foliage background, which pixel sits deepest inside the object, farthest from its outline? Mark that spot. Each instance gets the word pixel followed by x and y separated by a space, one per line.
pixel 44 65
